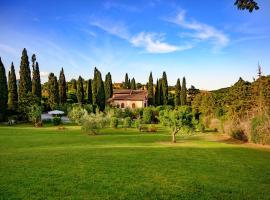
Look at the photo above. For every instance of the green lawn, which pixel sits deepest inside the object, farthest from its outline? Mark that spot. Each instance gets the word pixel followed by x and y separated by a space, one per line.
pixel 47 163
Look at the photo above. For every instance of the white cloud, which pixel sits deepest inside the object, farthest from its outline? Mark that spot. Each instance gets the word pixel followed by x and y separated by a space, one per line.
pixel 44 74
pixel 201 31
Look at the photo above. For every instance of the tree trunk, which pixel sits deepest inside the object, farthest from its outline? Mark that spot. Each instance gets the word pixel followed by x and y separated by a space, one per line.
pixel 174 136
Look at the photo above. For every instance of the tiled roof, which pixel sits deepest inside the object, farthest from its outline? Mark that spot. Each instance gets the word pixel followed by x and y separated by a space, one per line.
pixel 126 94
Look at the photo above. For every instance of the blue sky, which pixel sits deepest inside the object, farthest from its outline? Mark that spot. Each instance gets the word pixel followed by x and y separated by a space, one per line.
pixel 209 42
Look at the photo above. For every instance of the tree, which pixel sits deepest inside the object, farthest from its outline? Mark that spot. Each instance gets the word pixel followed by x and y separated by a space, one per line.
pixel 89 92
pixel 160 88
pixel 100 97
pixel 179 119
pixel 249 5
pixel 157 94
pixel 184 93
pixel 53 91
pixel 3 91
pixel 108 86
pixel 74 85
pixel 25 84
pixel 12 89
pixel 94 85
pixel 62 87
pixel 80 91
pixel 36 83
pixel 34 115
pixel 177 101
pixel 133 84
pixel 126 83
pixel 165 91
pixel 150 90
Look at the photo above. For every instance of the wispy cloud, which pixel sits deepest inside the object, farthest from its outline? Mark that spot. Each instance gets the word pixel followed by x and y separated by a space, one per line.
pixel 151 42
pixel 8 49
pixel 125 7
pixel 200 31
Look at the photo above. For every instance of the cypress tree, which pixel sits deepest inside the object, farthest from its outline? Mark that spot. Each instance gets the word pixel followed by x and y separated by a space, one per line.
pixel 125 85
pixel 80 91
pixel 160 91
pixel 53 91
pixel 3 91
pixel 108 86
pixel 36 83
pixel 94 86
pixel 89 92
pixel 74 85
pixel 133 84
pixel 62 87
pixel 150 90
pixel 12 89
pixel 25 85
pixel 129 84
pixel 157 94
pixel 165 88
pixel 100 97
pixel 177 101
pixel 184 92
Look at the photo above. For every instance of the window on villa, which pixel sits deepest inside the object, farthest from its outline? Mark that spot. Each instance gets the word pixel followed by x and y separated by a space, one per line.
pixel 122 105
pixel 133 105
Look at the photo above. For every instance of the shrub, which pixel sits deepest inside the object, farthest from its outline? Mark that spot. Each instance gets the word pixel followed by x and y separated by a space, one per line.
pixel 239 134
pixel 147 115
pixel 260 130
pixel 34 115
pixel 152 128
pixel 201 127
pixel 76 114
pixel 114 122
pixel 127 122
pixel 137 123
pixel 92 123
pixel 56 121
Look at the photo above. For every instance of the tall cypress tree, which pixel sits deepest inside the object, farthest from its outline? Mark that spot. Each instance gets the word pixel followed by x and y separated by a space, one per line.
pixel 53 91
pixel 150 90
pixel 12 89
pixel 62 87
pixel 108 86
pixel 184 92
pixel 177 101
pixel 165 92
pixel 100 97
pixel 94 86
pixel 89 92
pixel 157 94
pixel 80 91
pixel 126 84
pixel 36 83
pixel 160 91
pixel 133 84
pixel 3 91
pixel 25 85
pixel 73 85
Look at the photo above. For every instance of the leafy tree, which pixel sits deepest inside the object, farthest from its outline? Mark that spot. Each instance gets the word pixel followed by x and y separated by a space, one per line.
pixel 184 93
pixel 127 122
pixel 62 87
pixel 150 90
pixel 108 86
pixel 177 101
pixel 89 92
pixel 25 84
pixel 147 115
pixel 179 119
pixel 165 92
pixel 133 84
pixel 80 91
pixel 74 85
pixel 36 83
pixel 249 5
pixel 34 115
pixel 3 91
pixel 12 89
pixel 114 122
pixel 53 91
pixel 76 114
pixel 92 123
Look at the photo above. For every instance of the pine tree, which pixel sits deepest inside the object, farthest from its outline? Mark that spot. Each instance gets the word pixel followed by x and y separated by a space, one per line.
pixel 89 92
pixel 3 91
pixel 25 85
pixel 184 93
pixel 62 87
pixel 157 94
pixel 177 101
pixel 80 91
pixel 53 91
pixel 150 90
pixel 100 97
pixel 36 83
pixel 12 89
pixel 133 84
pixel 108 86
pixel 165 92
pixel 125 85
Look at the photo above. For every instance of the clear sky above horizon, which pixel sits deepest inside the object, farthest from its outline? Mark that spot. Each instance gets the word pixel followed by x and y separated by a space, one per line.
pixel 209 42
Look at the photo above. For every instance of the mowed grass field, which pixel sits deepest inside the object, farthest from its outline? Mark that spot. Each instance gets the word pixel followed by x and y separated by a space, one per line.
pixel 47 163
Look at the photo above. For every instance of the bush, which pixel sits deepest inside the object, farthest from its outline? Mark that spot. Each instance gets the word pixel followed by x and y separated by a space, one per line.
pixel 147 115
pixel 93 123
pixel 152 128
pixel 127 122
pixel 56 121
pixel 239 134
pixel 201 127
pixel 76 114
pixel 260 130
pixel 114 122
pixel 34 115
pixel 137 123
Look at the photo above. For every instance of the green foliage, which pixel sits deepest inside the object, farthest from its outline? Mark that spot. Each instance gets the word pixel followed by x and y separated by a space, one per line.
pixel 34 114
pixel 133 84
pixel 76 114
pixel 53 91
pixel 56 121
pixel 3 91
pixel 108 87
pixel 92 123
pixel 98 90
pixel 150 90
pixel 147 115
pixel 239 134
pixel 89 92
pixel 184 93
pixel 80 91
pixel 201 127
pixel 114 122
pixel 177 101
pixel 137 123
pixel 12 89
pixel 126 83
pixel 62 87
pixel 260 129
pixel 249 5
pixel 165 91
pixel 127 122
pixel 26 102
pixel 157 94
pixel 36 83
pixel 152 128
